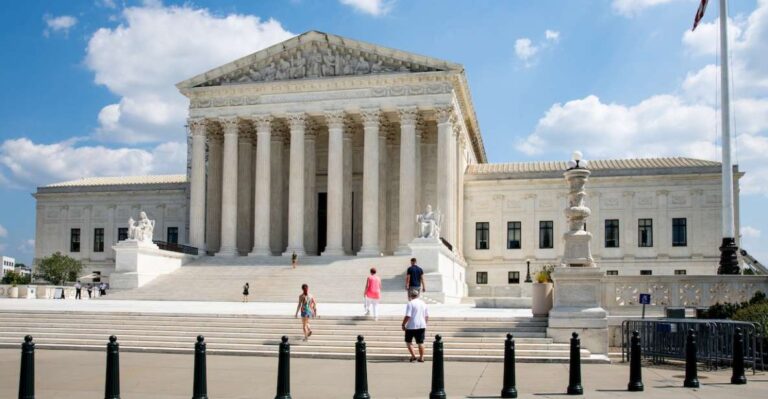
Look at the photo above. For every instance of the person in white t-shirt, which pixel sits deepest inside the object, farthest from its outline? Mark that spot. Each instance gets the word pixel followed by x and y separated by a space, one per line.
pixel 415 324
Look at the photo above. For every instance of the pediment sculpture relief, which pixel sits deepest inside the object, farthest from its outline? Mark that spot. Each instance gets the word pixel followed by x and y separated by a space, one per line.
pixel 316 62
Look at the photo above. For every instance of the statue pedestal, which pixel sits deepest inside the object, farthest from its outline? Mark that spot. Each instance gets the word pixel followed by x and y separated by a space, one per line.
pixel 577 308
pixel 444 271
pixel 139 262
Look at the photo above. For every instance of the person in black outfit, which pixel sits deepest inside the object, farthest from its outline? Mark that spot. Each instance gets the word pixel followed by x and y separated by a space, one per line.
pixel 89 288
pixel 414 278
pixel 246 288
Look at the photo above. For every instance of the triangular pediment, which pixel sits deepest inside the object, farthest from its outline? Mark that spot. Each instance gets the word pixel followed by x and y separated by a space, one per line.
pixel 315 55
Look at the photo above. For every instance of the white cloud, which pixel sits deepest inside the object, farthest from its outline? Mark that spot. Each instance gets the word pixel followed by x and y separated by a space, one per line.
pixel 155 47
pixel 552 35
pixel 27 246
pixel 58 24
pixel 372 7
pixel 3 232
pixel 682 123
pixel 26 164
pixel 106 3
pixel 631 8
pixel 525 50
pixel 750 232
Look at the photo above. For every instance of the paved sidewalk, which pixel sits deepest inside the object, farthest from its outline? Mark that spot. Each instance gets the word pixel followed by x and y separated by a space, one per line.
pixel 255 308
pixel 67 374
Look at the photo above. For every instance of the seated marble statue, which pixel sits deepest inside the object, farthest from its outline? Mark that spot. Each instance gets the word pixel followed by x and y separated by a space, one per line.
pixel 143 230
pixel 429 223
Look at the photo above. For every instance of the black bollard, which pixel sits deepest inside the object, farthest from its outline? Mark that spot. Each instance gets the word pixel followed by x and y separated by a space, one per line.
pixel 27 376
pixel 574 372
pixel 438 371
pixel 691 373
pixel 738 376
pixel 361 370
pixel 509 388
pixel 635 371
pixel 200 384
pixel 112 382
pixel 284 370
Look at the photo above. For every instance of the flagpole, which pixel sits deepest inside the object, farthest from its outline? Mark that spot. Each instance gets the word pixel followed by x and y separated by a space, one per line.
pixel 729 263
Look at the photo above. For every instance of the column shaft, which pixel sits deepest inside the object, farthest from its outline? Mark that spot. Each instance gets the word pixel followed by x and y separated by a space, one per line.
pixel 261 209
pixel 297 124
pixel 229 189
pixel 444 168
pixel 370 245
pixel 407 218
pixel 197 187
pixel 334 241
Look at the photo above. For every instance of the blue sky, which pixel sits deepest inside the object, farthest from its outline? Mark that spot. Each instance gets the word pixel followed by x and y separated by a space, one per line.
pixel 88 84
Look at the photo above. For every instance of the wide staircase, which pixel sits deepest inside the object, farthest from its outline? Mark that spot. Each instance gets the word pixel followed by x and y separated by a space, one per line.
pixel 466 339
pixel 272 279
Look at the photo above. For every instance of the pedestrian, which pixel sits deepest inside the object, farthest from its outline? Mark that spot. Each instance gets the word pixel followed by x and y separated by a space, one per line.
pixel 415 324
pixel 89 288
pixel 246 288
pixel 372 294
pixel 414 278
pixel 308 308
pixel 294 260
pixel 102 289
pixel 78 290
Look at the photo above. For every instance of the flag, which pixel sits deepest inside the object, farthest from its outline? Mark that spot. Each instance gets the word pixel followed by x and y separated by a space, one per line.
pixel 699 14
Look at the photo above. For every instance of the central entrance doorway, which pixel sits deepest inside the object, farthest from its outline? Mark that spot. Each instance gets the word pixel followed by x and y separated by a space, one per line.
pixel 322 220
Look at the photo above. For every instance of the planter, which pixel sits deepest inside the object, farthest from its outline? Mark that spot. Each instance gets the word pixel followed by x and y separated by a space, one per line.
pixel 541 296
pixel 13 292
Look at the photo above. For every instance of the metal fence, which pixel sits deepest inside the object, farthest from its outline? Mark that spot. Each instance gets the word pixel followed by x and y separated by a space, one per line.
pixel 665 339
pixel 169 246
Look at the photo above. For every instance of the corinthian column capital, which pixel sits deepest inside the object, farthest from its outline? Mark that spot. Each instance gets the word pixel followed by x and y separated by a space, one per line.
pixel 197 126
pixel 297 120
pixel 334 118
pixel 444 113
pixel 229 124
pixel 371 117
pixel 263 122
pixel 408 115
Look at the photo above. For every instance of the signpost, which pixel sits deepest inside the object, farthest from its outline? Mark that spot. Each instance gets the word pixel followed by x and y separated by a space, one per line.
pixel 645 299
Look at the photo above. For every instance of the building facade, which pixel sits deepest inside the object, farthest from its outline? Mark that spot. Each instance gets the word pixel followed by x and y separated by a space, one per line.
pixel 9 264
pixel 85 218
pixel 326 146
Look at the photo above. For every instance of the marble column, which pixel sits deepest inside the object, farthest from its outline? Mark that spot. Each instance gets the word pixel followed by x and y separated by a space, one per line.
pixel 310 194
pixel 244 191
pixel 444 173
pixel 213 197
pixel 197 186
pixel 420 200
pixel 334 242
pixel 371 121
pixel 408 188
pixel 383 195
pixel 229 188
pixel 261 208
pixel 277 194
pixel 297 123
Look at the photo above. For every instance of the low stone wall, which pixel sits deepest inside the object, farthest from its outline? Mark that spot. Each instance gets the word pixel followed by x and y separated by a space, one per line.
pixel 44 291
pixel 621 295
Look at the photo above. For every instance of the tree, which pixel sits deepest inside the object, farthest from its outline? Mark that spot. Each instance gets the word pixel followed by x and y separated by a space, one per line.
pixel 57 268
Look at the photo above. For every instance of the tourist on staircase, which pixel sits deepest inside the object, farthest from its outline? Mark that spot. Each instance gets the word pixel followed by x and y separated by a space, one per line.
pixel 415 324
pixel 414 278
pixel 308 308
pixel 246 289
pixel 372 294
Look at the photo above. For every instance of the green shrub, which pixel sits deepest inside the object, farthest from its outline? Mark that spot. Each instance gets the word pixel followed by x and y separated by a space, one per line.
pixel 728 310
pixel 15 278
pixel 757 313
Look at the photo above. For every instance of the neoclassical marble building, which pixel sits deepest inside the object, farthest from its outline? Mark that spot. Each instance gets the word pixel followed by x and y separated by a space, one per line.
pixel 326 146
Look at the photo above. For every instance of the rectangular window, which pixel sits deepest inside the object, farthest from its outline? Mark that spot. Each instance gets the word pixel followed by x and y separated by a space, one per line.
pixel 122 233
pixel 546 234
pixel 679 232
pixel 481 235
pixel 513 277
pixel 646 272
pixel 98 240
pixel 482 278
pixel 611 233
pixel 173 235
pixel 680 272
pixel 645 232
pixel 612 272
pixel 513 235
pixel 74 240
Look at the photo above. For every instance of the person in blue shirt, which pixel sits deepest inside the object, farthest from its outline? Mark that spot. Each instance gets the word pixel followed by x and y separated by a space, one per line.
pixel 414 278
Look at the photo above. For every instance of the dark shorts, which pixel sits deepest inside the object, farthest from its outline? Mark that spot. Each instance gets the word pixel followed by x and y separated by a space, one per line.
pixel 418 334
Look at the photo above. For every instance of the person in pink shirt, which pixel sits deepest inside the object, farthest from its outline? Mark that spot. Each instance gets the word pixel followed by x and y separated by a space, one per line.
pixel 372 294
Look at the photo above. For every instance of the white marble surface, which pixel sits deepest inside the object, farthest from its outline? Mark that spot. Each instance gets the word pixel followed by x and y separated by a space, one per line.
pixel 253 308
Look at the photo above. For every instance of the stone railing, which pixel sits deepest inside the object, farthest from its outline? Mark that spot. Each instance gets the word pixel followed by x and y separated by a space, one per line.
pixel 622 292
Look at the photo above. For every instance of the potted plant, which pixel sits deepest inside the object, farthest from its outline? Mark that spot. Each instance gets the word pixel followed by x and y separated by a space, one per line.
pixel 541 291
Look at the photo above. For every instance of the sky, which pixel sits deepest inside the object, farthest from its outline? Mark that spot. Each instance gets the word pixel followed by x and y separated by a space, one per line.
pixel 89 84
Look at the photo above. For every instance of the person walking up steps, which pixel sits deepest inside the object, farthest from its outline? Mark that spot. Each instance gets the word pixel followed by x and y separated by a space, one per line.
pixel 246 288
pixel 78 290
pixel 415 324
pixel 294 260
pixel 414 278
pixel 372 294
pixel 308 308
